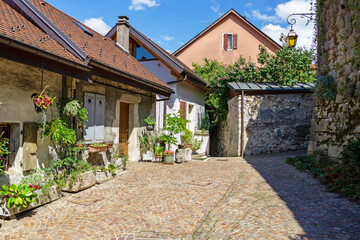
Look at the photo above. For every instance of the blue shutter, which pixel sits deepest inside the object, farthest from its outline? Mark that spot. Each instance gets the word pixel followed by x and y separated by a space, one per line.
pixel 89 105
pixel 99 118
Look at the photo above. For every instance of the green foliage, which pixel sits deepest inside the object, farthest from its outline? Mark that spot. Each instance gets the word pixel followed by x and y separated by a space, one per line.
pixel 145 142
pixel 41 179
pixel 4 151
pixel 150 121
pixel 158 149
pixel 196 144
pixel 18 196
pixel 124 156
pixel 205 121
pixel 173 125
pixel 112 169
pixel 325 88
pixel 287 66
pixel 59 133
pixel 187 137
pixel 343 178
pixel 70 110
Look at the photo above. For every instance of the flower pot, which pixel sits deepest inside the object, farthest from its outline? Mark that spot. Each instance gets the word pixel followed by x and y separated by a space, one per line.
pixel 54 194
pixel 86 180
pixel 150 127
pixel 168 159
pixel 102 177
pixel 95 149
pixel 147 156
pixel 157 158
pixel 181 146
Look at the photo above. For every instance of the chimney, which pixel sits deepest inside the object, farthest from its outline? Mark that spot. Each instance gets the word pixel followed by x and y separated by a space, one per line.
pixel 122 29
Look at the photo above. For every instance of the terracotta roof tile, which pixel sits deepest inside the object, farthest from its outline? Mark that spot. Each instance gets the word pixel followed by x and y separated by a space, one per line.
pixel 98 47
pixel 15 26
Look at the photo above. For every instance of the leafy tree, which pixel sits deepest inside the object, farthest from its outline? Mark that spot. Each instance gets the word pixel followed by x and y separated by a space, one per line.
pixel 286 67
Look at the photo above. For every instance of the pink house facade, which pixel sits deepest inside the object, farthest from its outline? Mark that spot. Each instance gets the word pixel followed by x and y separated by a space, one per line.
pixel 225 40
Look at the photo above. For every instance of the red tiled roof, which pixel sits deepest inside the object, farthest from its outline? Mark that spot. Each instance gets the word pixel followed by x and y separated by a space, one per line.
pixel 98 47
pixel 15 26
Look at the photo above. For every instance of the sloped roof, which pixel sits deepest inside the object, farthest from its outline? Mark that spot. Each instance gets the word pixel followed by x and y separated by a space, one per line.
pixel 231 11
pixel 97 47
pixel 14 26
pixel 173 61
pixel 270 87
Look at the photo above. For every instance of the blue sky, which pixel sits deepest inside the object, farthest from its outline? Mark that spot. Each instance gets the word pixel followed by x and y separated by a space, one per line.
pixel 171 23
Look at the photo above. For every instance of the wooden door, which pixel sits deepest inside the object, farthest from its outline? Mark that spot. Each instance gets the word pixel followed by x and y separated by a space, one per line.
pixel 124 127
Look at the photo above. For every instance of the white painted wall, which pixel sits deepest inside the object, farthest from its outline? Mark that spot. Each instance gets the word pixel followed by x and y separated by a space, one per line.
pixel 184 91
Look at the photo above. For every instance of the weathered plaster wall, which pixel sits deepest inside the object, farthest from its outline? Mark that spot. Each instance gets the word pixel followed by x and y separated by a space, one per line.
pixel 18 82
pixel 335 123
pixel 273 123
pixel 142 105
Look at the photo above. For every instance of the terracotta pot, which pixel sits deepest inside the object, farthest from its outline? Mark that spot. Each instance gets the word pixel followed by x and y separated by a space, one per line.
pixel 188 145
pixel 95 149
pixel 157 158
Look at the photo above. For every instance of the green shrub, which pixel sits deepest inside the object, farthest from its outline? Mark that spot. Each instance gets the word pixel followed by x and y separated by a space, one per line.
pixel 325 88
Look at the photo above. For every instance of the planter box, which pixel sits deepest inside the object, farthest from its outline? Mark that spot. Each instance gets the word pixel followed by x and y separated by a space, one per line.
pixel 86 180
pixel 148 156
pixel 53 195
pixel 102 177
pixel 95 149
pixel 168 159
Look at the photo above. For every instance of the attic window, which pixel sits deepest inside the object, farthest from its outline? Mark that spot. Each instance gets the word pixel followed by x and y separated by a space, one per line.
pixel 229 41
pixel 83 28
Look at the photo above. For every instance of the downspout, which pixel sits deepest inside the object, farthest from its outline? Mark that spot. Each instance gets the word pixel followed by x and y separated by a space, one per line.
pixel 242 125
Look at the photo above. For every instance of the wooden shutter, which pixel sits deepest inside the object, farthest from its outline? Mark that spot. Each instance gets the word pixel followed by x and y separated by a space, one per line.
pixel 30 146
pixel 234 41
pixel 99 118
pixel 183 110
pixel 89 105
pixel 225 40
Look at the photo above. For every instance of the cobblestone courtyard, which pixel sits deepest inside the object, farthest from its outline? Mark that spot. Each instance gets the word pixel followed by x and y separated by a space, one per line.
pixel 252 198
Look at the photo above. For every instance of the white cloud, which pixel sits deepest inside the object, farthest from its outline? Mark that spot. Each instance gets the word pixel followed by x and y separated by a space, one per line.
pixel 141 4
pixel 256 14
pixel 98 25
pixel 249 4
pixel 167 38
pixel 215 6
pixel 278 24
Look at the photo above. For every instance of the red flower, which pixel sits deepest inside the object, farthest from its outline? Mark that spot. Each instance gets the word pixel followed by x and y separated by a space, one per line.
pixel 30 186
pixel 36 187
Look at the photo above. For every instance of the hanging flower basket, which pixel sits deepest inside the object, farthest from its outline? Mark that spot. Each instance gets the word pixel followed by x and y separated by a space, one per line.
pixel 41 101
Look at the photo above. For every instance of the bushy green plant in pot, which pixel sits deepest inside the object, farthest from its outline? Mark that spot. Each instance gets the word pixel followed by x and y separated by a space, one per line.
pixel 18 196
pixel 158 150
pixel 150 123
pixel 146 147
pixel 174 124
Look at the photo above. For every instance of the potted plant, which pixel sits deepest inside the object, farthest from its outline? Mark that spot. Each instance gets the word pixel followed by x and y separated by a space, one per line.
pixel 80 144
pixel 41 101
pixel 173 124
pixel 98 147
pixel 187 138
pixel 145 147
pixel 158 150
pixel 168 157
pixel 150 123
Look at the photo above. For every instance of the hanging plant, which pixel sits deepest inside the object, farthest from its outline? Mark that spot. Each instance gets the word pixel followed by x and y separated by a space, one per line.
pixel 42 101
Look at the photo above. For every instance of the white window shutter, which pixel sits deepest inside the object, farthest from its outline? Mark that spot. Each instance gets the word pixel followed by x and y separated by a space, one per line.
pixel 99 118
pixel 89 105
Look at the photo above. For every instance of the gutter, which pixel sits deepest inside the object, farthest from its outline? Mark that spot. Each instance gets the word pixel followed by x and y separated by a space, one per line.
pixel 130 76
pixel 42 53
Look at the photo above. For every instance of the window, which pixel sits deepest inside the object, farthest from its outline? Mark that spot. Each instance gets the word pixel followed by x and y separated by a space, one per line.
pixel 229 41
pixel 94 127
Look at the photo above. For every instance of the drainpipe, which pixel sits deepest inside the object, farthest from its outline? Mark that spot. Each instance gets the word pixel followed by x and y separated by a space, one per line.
pixel 242 125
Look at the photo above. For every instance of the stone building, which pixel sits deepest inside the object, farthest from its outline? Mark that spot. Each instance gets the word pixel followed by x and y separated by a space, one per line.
pixel 265 118
pixel 42 46
pixel 337 122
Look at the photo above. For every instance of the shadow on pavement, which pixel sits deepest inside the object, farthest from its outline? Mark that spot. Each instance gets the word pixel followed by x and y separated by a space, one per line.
pixel 322 215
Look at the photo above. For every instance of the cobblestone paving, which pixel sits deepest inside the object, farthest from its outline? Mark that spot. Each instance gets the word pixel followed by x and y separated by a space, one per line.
pixel 253 198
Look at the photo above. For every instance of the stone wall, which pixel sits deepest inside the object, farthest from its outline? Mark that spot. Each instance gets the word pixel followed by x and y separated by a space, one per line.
pixel 335 123
pixel 273 123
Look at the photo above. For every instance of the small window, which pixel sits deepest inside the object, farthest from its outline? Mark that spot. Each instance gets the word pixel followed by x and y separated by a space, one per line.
pixel 83 29
pixel 229 41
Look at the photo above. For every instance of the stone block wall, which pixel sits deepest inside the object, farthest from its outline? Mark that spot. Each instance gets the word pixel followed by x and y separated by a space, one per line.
pixel 273 123
pixel 335 123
